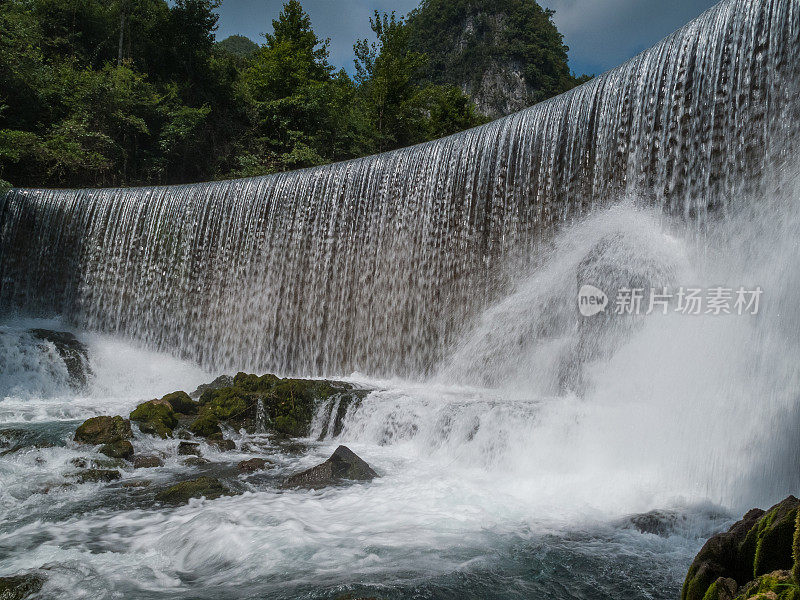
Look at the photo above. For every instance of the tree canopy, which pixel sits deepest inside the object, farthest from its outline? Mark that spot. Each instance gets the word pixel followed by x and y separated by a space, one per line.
pixel 129 92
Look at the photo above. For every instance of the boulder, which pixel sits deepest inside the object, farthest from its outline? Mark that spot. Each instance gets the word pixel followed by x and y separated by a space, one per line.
pixel 20 587
pixel 147 462
pixel 221 443
pixel 343 465
pixel 155 417
pixel 254 464
pixel 206 425
pixel 195 461
pixel 220 382
pixel 286 406
pixel 202 487
pixel 98 475
pixel 189 449
pixel 74 354
pixel 181 403
pixel 103 430
pixel 724 588
pixel 120 449
pixel 753 548
pixel 136 484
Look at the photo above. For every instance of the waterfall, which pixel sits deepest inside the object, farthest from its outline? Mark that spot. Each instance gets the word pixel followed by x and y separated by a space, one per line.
pixel 261 416
pixel 378 264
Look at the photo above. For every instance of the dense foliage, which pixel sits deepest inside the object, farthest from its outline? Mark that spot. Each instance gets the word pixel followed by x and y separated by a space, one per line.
pixel 468 40
pixel 125 92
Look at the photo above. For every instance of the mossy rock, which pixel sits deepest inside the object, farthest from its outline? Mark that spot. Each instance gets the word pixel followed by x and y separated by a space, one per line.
pixel 206 425
pixel 181 403
pixel 120 449
pixel 768 545
pixel 155 417
pixel 147 462
pixel 20 587
pixel 777 585
pixel 103 430
pixel 761 544
pixel 220 382
pixel 288 404
pixel 722 589
pixel 181 493
pixel 226 404
pixel 189 449
pixel 98 475
pixel 221 443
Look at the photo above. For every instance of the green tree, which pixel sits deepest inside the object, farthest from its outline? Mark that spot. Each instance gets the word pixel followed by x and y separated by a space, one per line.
pixel 402 110
pixel 474 44
pixel 302 110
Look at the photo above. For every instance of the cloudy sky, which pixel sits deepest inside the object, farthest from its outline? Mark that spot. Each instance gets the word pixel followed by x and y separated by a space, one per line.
pixel 600 33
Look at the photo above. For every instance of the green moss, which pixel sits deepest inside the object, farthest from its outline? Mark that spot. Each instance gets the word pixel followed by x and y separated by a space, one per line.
pixel 205 425
pixel 226 403
pixel 289 403
pixel 181 403
pixel 180 493
pixel 775 539
pixel 103 430
pixel 20 587
pixel 155 417
pixel 98 475
pixel 120 449
pixel 721 589
pixel 778 585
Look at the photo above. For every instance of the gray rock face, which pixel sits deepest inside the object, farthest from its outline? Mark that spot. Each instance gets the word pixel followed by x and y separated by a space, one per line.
pixel 343 465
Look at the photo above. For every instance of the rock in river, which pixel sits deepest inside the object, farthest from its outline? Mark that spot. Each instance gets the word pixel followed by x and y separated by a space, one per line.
pixel 181 493
pixel 103 430
pixel 343 465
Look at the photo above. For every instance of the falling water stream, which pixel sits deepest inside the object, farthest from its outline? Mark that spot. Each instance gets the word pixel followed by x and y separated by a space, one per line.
pixel 514 436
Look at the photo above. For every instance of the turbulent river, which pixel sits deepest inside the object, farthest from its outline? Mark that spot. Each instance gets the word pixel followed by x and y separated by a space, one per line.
pixel 515 438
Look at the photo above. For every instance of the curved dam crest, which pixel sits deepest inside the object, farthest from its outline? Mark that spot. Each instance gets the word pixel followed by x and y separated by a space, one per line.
pixel 378 264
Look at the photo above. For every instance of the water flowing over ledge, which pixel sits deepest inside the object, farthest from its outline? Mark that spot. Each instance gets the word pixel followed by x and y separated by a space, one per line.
pixel 377 264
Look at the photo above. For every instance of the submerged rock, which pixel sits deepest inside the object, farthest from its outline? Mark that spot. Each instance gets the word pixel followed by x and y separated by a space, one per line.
pixel 155 417
pixel 103 430
pixel 147 462
pixel 73 352
pixel 98 475
pixel 120 449
pixel 189 449
pixel 343 465
pixel 202 487
pixel 20 587
pixel 254 464
pixel 749 554
pixel 142 483
pixel 221 444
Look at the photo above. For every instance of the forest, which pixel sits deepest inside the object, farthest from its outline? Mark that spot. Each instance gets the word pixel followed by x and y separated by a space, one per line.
pixel 134 92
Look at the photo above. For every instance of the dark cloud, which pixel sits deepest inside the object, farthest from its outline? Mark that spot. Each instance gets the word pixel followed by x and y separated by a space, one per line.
pixel 600 33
